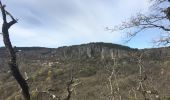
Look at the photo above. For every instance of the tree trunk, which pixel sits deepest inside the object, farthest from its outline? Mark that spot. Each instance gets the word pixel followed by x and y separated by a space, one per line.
pixel 12 54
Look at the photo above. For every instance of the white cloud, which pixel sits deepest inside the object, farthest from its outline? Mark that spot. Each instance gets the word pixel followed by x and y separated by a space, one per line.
pixel 65 22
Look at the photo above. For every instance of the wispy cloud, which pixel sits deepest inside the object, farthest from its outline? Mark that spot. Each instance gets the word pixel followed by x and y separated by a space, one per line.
pixel 54 23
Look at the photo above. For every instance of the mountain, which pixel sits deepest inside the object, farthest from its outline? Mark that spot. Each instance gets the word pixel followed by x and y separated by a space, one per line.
pixel 100 71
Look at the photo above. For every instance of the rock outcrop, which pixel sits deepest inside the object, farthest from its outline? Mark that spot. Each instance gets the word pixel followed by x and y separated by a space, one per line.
pixel 102 50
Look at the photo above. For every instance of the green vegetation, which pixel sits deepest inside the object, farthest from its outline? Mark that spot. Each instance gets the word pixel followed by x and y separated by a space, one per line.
pixel 90 76
pixel 87 71
pixel 34 95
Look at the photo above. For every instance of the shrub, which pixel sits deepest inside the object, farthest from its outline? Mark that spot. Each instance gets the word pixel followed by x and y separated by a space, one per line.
pixel 59 72
pixel 167 98
pixel 17 97
pixel 34 95
pixel 87 71
pixel 49 76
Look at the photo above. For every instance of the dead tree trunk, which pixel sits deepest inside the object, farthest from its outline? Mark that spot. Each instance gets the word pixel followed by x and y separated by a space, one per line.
pixel 12 54
pixel 69 88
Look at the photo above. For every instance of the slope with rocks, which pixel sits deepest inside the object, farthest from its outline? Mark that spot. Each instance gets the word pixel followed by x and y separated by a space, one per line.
pixel 101 71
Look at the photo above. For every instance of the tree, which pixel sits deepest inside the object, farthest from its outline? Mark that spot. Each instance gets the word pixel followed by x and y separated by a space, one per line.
pixel 11 52
pixel 158 18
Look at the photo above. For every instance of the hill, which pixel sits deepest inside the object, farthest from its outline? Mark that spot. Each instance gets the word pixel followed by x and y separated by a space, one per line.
pixel 100 71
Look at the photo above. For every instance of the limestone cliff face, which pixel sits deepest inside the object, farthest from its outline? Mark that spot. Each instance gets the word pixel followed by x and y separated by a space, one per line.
pixel 105 51
pixel 92 50
pixel 101 50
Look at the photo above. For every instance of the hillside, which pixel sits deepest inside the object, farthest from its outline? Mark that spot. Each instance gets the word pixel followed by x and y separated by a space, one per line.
pixel 100 71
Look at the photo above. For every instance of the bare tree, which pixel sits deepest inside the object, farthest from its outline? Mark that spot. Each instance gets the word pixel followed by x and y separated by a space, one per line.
pixel 113 76
pixel 11 52
pixel 69 88
pixel 158 18
pixel 142 77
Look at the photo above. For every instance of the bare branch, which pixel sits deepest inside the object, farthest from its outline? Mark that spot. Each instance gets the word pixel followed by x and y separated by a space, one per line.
pixel 13 19
pixel 158 18
pixel 3 12
pixel 164 40
pixel 69 87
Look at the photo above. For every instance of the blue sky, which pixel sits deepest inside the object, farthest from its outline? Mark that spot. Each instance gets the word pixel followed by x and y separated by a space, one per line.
pixel 54 23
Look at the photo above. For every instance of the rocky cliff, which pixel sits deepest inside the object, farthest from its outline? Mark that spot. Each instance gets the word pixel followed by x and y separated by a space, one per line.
pixel 91 66
pixel 102 50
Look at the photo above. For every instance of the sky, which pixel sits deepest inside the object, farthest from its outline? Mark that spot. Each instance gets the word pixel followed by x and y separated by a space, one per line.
pixel 55 23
